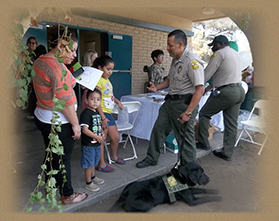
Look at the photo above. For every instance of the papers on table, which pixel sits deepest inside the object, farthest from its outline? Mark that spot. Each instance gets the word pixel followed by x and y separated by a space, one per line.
pixel 156 96
pixel 90 77
pixel 163 92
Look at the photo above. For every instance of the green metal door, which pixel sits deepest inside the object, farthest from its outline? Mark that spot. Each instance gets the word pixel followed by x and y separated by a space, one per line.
pixel 120 49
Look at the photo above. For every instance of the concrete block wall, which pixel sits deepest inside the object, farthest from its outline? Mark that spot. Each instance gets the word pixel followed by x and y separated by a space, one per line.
pixel 144 42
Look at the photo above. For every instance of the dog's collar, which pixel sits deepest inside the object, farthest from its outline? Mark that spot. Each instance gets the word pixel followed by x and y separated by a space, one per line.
pixel 173 186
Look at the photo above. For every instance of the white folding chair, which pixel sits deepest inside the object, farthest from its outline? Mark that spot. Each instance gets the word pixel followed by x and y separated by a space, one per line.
pixel 124 124
pixel 260 123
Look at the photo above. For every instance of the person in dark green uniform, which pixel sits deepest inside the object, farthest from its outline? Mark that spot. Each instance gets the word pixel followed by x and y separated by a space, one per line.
pixel 185 81
pixel 227 96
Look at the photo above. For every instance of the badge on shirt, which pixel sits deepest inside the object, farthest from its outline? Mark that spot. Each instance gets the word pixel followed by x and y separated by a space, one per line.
pixel 195 65
pixel 179 69
pixel 214 54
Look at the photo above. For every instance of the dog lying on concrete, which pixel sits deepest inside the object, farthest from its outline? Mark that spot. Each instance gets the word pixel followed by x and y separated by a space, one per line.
pixel 141 196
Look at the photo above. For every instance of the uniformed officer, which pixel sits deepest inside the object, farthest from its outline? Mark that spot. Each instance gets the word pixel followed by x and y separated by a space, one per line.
pixel 185 81
pixel 224 67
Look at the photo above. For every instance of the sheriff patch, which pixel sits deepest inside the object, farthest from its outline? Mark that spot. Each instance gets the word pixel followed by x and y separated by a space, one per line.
pixel 195 65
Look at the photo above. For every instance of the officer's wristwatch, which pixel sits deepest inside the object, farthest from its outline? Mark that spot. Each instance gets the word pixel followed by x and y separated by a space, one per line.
pixel 188 113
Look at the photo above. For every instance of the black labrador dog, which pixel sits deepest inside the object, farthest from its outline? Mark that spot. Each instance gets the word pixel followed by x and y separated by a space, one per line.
pixel 141 196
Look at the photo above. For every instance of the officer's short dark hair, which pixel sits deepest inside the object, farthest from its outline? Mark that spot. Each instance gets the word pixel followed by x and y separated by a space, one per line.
pixel 179 36
pixel 156 53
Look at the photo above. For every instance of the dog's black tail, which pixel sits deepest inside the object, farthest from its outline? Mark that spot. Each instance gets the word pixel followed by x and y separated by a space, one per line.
pixel 116 205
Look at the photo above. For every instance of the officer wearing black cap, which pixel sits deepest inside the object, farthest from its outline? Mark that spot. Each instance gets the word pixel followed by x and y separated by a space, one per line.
pixel 227 96
pixel 185 81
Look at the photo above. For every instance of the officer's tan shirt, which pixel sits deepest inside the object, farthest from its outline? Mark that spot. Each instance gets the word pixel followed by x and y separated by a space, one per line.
pixel 185 73
pixel 224 66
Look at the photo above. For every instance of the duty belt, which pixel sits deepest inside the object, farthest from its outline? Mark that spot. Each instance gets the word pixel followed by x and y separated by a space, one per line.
pixel 186 97
pixel 231 85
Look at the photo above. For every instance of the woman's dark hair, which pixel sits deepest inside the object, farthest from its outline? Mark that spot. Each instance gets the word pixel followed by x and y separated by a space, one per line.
pixel 102 61
pixel 32 37
pixel 58 31
pixel 95 90
pixel 40 49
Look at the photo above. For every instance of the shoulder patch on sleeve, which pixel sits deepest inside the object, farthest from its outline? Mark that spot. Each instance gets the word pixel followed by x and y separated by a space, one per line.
pixel 214 54
pixel 195 65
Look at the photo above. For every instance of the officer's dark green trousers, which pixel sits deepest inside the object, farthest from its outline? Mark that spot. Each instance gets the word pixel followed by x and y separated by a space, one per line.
pixel 165 123
pixel 228 100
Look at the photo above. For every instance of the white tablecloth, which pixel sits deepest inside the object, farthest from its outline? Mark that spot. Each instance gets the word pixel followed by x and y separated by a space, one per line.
pixel 148 114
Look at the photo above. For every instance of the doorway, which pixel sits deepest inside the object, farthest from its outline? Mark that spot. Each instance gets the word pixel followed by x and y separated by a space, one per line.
pixel 90 40
pixel 118 46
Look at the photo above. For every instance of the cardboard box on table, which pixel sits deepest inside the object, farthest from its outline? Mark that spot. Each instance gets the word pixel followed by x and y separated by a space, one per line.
pixel 211 130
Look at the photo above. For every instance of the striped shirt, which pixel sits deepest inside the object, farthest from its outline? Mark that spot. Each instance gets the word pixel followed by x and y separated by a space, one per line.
pixel 47 82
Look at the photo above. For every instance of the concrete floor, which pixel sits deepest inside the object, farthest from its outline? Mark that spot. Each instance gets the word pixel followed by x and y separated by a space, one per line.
pixel 30 153
pixel 237 182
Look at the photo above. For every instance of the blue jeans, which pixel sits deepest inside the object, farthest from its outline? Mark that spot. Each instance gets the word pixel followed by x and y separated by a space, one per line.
pixel 90 156
pixel 111 121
